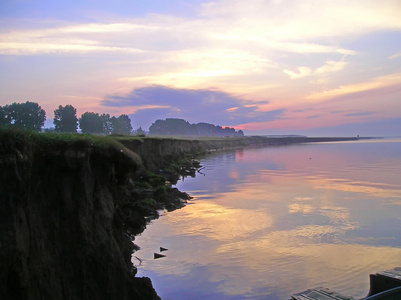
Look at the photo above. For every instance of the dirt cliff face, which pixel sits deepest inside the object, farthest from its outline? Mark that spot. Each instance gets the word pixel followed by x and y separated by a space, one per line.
pixel 157 153
pixel 71 206
pixel 61 223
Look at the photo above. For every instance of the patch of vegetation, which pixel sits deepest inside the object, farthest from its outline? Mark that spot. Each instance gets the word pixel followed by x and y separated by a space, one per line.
pixel 142 184
pixel 147 206
pixel 53 141
pixel 154 180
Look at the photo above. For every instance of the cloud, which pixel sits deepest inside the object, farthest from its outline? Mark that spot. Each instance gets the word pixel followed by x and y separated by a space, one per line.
pixel 285 45
pixel 292 26
pixel 300 20
pixel 56 38
pixel 383 127
pixel 395 55
pixel 337 112
pixel 58 48
pixel 368 113
pixel 210 106
pixel 328 67
pixel 301 72
pixel 366 127
pixel 194 67
pixel 373 84
pixel 313 117
pixel 230 42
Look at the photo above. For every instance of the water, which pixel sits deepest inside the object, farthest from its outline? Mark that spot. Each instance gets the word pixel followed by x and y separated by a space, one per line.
pixel 269 222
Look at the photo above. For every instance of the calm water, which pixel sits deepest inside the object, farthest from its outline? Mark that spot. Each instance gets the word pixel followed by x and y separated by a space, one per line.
pixel 266 223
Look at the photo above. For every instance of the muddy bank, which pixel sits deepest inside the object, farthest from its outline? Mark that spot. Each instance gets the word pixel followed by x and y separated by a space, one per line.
pixel 62 225
pixel 70 208
pixel 159 152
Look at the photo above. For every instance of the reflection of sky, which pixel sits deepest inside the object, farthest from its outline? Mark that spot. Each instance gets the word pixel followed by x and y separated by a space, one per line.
pixel 218 222
pixel 233 164
pixel 276 221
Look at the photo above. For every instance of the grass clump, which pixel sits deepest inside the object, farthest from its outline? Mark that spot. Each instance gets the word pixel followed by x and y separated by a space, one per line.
pixel 146 206
pixel 11 138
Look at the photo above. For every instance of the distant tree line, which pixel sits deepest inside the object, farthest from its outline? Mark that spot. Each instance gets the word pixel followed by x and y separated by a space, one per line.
pixel 30 115
pixel 90 122
pixel 172 126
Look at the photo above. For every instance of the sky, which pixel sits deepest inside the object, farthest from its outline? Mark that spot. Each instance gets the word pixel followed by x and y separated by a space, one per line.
pixel 313 67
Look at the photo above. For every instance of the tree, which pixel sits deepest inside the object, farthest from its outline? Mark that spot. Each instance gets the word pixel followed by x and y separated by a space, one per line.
pixel 228 131
pixel 28 115
pixel 107 123
pixel 140 132
pixel 121 125
pixel 65 119
pixel 182 127
pixel 90 122
pixel 2 117
pixel 171 126
pixel 205 129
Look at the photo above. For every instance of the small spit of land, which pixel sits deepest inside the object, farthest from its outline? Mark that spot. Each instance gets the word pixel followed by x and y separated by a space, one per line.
pixel 71 205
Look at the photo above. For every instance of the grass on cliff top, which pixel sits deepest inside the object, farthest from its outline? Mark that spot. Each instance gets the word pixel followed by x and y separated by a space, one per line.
pixel 11 137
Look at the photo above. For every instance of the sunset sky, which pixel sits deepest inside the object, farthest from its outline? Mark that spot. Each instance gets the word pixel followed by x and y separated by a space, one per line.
pixel 314 67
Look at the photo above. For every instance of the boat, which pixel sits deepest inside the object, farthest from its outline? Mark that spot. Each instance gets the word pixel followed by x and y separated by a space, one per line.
pixel 384 285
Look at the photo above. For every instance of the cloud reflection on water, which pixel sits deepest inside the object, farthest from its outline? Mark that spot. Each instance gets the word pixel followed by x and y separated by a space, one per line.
pixel 279 223
pixel 221 223
pixel 374 189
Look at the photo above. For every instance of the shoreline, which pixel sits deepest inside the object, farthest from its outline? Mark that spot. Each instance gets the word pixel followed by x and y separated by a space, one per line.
pixel 73 204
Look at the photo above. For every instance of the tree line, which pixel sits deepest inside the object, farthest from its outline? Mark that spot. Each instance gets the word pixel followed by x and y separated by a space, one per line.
pixel 30 115
pixel 172 126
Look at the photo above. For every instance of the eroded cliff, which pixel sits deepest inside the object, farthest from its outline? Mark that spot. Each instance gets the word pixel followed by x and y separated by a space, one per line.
pixel 69 210
pixel 71 206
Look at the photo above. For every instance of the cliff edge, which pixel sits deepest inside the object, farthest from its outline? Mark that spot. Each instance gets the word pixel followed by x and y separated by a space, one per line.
pixel 62 222
pixel 71 205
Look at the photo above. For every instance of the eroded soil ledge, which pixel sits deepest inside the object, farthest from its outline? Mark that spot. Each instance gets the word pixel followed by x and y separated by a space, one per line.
pixel 71 206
